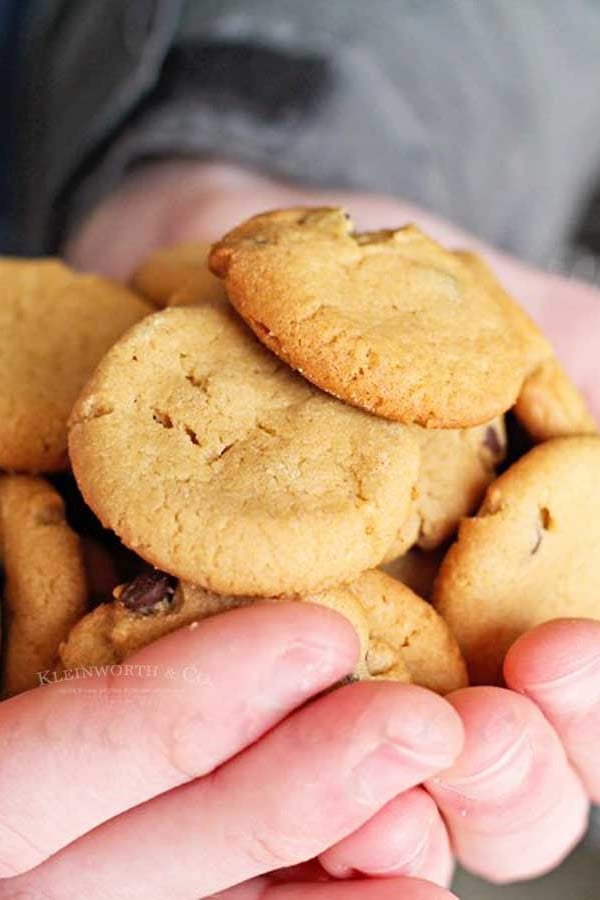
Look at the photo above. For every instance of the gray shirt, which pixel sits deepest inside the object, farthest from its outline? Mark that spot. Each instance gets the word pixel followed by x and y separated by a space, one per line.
pixel 484 111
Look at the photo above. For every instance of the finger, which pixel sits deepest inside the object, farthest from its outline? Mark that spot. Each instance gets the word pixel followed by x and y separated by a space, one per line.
pixel 558 666
pixel 407 837
pixel 190 701
pixel 314 779
pixel 390 889
pixel 513 805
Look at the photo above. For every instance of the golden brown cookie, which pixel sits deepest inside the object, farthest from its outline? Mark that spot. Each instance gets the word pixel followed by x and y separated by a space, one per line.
pixel 178 276
pixel 388 321
pixel 55 326
pixel 155 604
pixel 405 628
pixel 535 348
pixel 401 636
pixel 456 466
pixel 550 405
pixel 45 587
pixel 530 555
pixel 215 462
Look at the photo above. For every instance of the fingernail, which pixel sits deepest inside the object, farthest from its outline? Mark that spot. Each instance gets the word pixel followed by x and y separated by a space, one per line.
pixel 501 776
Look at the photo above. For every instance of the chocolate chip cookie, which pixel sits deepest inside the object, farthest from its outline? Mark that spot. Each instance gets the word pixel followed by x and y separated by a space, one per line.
pixel 401 636
pixel 530 555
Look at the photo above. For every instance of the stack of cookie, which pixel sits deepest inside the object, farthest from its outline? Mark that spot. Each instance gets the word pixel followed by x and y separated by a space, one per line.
pixel 312 424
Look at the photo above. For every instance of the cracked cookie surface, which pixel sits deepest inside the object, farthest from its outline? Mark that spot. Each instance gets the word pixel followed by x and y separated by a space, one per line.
pixel 45 589
pixel 388 321
pixel 216 463
pixel 530 555
pixel 55 325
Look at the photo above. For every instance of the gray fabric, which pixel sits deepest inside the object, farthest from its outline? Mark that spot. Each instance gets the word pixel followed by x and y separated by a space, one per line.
pixel 485 111
pixel 87 66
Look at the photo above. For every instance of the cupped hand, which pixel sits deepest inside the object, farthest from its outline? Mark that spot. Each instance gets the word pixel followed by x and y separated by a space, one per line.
pixel 201 766
pixel 517 799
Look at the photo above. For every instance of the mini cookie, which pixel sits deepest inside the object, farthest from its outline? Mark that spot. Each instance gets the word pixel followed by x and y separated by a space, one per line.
pixel 404 628
pixel 155 604
pixel 388 321
pixel 456 466
pixel 178 276
pixel 55 326
pixel 45 589
pixel 550 405
pixel 218 464
pixel 530 555
pixel 417 569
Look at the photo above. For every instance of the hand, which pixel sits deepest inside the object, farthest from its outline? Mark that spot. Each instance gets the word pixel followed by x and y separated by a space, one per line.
pixel 205 768
pixel 515 803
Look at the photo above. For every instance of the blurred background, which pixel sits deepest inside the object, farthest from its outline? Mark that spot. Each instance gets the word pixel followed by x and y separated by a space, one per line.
pixel 487 114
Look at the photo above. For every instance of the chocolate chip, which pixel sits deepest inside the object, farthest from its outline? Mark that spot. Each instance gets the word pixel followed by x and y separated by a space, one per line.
pixel 147 591
pixel 492 441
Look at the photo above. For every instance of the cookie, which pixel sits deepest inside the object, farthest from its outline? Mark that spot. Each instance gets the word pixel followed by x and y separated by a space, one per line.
pixel 388 321
pixel 456 466
pixel 530 555
pixel 155 604
pixel 216 463
pixel 178 276
pixel 401 637
pixel 417 569
pixel 45 588
pixel 404 628
pixel 550 405
pixel 55 326
pixel 534 347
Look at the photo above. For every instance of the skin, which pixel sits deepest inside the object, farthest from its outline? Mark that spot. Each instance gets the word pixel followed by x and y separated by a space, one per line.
pixel 234 785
